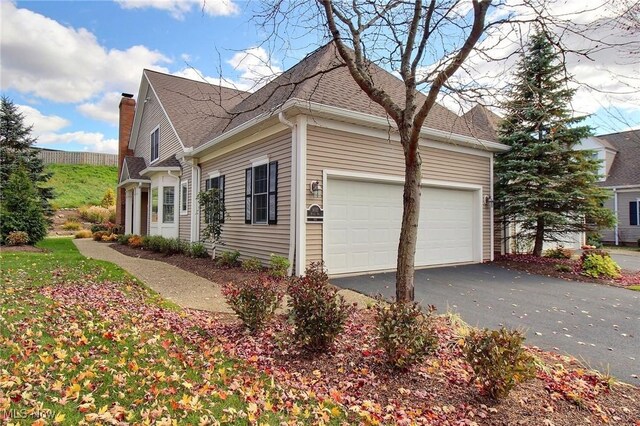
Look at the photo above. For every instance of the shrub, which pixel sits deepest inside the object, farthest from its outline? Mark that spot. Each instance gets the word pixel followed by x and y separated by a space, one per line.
pixel 17 238
pixel 560 267
pixel 597 265
pixel 498 359
pixel 97 236
pixel 97 214
pixel 72 225
pixel 278 266
pixel 229 259
pixel 254 301
pixel 109 237
pixel 558 253
pixel 404 333
pixel 317 311
pixel 196 250
pixel 85 233
pixel 135 241
pixel 21 208
pixel 109 199
pixel 594 239
pixel 253 264
pixel 123 239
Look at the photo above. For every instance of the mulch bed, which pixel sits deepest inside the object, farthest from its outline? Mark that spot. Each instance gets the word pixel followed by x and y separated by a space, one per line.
pixel 547 267
pixel 203 267
pixel 25 248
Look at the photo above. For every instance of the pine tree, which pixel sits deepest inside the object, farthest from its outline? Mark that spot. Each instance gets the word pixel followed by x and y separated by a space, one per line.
pixel 21 209
pixel 542 184
pixel 16 150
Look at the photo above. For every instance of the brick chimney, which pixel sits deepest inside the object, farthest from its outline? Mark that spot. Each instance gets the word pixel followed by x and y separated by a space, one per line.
pixel 127 111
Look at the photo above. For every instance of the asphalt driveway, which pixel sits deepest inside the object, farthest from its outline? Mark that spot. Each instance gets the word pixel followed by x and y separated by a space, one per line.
pixel 595 323
pixel 628 261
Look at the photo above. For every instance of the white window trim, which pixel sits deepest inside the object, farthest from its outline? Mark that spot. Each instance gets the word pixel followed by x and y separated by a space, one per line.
pixel 184 186
pixel 257 163
pixel 637 213
pixel 260 161
pixel 214 174
pixel 151 161
pixel 151 205
pixel 162 221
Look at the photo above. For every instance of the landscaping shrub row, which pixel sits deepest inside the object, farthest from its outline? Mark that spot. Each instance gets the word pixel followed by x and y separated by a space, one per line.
pixel 405 335
pixel 593 263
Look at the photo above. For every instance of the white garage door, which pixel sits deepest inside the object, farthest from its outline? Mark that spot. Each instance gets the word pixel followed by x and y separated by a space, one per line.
pixel 362 226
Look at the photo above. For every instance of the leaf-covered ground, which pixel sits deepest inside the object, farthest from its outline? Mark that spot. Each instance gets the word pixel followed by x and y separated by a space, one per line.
pixel 81 342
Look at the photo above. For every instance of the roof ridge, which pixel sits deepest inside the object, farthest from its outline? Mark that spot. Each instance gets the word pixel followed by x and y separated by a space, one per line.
pixel 205 82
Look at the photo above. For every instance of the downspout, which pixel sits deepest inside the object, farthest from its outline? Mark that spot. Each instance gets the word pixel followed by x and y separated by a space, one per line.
pixel 491 212
pixel 195 208
pixel 615 212
pixel 294 188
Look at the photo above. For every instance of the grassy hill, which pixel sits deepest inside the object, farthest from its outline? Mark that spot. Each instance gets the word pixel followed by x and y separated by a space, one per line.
pixel 76 185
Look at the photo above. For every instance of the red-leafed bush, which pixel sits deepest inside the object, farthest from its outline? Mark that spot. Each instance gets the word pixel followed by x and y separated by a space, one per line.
pixel 317 311
pixel 254 300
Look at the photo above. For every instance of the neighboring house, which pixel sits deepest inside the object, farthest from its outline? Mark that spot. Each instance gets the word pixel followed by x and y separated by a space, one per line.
pixel 308 168
pixel 620 171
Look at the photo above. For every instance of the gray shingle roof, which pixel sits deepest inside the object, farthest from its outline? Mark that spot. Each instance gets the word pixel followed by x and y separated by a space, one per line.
pixel 202 111
pixel 171 161
pixel 625 169
pixel 134 166
pixel 483 120
pixel 194 107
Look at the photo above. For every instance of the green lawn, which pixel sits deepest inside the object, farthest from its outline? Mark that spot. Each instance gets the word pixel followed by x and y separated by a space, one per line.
pixel 76 185
pixel 82 341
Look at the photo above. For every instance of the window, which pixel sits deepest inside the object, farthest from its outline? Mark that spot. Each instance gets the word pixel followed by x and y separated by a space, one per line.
pixel 261 188
pixel 634 213
pixel 216 183
pixel 154 205
pixel 155 144
pixel 168 205
pixel 184 197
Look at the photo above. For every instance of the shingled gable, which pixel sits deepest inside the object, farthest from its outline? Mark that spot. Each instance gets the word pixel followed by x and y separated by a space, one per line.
pixel 193 107
pixel 625 170
pixel 323 78
pixel 483 121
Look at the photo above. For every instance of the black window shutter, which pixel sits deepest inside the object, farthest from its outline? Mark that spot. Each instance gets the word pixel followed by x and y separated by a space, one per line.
pixel 273 193
pixel 247 196
pixel 221 196
pixel 633 213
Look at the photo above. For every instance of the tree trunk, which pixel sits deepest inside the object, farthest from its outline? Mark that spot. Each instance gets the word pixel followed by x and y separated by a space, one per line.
pixel 537 247
pixel 409 229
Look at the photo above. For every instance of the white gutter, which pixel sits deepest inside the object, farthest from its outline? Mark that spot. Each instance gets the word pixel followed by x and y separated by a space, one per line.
pixel 138 181
pixel 615 212
pixel 152 169
pixel 294 189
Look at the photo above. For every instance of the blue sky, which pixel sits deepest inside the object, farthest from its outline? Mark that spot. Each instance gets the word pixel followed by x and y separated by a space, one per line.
pixel 66 63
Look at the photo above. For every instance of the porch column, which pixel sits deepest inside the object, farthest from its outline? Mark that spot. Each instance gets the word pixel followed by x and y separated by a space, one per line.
pixel 137 213
pixel 128 209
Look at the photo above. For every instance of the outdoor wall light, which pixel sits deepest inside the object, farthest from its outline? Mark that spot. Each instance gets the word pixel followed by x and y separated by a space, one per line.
pixel 488 200
pixel 315 189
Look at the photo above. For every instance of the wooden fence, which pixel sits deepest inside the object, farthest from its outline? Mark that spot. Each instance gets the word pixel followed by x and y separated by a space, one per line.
pixel 68 157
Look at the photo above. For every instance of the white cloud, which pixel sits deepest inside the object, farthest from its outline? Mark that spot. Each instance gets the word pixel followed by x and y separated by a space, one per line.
pixel 256 66
pixel 179 8
pixel 105 109
pixel 43 58
pixel 41 123
pixel 91 141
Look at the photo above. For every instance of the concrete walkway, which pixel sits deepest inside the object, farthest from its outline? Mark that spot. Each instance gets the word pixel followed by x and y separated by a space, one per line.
pixel 177 285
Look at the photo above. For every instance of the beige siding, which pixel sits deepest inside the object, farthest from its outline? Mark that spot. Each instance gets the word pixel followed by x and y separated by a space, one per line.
pixel 152 117
pixel 254 240
pixel 627 234
pixel 327 149
pixel 185 219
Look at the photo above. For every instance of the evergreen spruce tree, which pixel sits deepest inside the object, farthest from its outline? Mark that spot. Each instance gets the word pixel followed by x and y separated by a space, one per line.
pixel 16 150
pixel 542 184
pixel 21 209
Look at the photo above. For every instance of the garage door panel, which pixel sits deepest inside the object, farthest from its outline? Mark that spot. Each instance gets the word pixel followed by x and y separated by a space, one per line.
pixel 363 222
